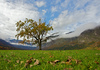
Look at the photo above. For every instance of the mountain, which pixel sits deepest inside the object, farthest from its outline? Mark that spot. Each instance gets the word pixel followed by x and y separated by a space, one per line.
pixel 6 46
pixel 15 42
pixel 24 47
pixel 89 39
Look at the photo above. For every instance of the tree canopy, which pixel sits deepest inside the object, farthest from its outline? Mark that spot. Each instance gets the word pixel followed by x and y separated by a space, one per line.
pixel 32 31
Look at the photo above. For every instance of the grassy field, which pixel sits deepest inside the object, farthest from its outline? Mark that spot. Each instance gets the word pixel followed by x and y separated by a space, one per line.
pixel 50 60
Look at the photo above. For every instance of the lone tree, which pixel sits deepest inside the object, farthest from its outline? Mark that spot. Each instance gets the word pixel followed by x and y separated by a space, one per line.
pixel 33 32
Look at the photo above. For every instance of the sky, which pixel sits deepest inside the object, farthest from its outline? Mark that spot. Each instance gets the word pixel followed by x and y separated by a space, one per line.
pixel 63 15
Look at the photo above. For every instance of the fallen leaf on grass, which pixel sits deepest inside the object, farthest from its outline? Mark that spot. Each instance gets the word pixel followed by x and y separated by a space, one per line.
pixel 52 63
pixel 72 59
pixel 69 57
pixel 33 53
pixel 29 61
pixel 7 60
pixel 26 64
pixel 21 62
pixel 31 65
pixel 37 62
pixel 97 53
pixel 96 62
pixel 31 58
pixel 6 55
pixel 78 61
pixel 63 62
pixel 48 61
pixel 17 61
pixel 14 65
pixel 68 63
pixel 51 56
pixel 1 56
pixel 28 54
pixel 56 61
pixel 13 55
pixel 68 60
pixel 68 69
pixel 42 57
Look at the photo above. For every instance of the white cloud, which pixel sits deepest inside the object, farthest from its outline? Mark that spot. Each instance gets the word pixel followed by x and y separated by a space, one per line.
pixel 57 1
pixel 72 14
pixel 44 11
pixel 40 3
pixel 65 3
pixel 80 29
pixel 86 14
pixel 53 8
pixel 10 13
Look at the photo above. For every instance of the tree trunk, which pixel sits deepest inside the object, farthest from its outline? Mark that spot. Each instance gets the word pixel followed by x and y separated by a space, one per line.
pixel 40 45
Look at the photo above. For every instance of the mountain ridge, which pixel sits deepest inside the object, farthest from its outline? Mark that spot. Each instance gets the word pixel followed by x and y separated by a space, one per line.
pixel 88 39
pixel 6 46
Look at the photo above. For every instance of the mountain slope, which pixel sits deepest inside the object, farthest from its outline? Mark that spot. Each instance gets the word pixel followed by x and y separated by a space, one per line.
pixel 25 47
pixel 6 46
pixel 89 39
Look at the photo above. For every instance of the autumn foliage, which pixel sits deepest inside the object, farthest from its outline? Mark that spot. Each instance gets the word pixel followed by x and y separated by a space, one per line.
pixel 32 31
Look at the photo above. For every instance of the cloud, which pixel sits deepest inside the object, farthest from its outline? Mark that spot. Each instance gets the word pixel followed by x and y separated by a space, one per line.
pixel 40 3
pixel 86 13
pixel 80 29
pixel 65 3
pixel 44 11
pixel 57 1
pixel 11 12
pixel 65 15
pixel 53 9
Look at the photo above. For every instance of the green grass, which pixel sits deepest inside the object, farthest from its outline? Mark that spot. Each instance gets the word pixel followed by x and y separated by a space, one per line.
pixel 89 59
